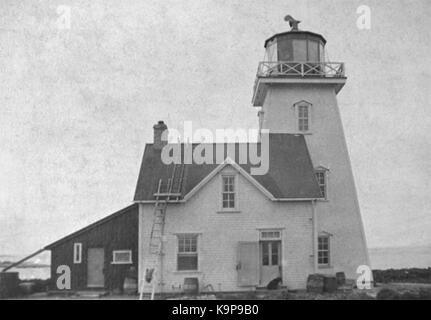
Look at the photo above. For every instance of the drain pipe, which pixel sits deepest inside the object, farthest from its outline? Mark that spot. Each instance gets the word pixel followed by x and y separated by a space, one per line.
pixel 315 234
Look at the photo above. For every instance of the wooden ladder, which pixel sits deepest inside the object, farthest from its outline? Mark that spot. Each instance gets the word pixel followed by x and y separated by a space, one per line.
pixel 163 197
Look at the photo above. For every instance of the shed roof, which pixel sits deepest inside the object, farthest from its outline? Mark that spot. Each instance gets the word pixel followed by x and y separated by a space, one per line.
pixel 91 226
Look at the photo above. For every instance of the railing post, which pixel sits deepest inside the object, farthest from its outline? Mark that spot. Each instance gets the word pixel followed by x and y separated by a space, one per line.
pixel 302 69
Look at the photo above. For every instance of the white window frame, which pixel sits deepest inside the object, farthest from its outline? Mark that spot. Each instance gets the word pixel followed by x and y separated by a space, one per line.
pixel 114 260
pixel 274 237
pixel 77 252
pixel 234 192
pixel 328 250
pixel 297 107
pixel 188 253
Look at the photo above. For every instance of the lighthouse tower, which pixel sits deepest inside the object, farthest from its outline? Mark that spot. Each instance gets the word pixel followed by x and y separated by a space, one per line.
pixel 296 90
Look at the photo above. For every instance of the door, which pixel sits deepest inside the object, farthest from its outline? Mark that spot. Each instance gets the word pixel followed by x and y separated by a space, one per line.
pixel 270 255
pixel 95 266
pixel 248 264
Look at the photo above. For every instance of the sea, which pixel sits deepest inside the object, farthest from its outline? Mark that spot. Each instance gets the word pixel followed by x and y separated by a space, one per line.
pixel 32 273
pixel 381 258
pixel 400 257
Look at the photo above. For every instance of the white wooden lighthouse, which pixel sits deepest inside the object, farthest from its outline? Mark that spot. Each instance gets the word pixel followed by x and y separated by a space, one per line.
pixel 225 228
pixel 297 89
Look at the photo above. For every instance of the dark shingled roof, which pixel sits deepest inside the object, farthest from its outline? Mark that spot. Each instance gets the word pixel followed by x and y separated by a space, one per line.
pixel 290 174
pixel 125 210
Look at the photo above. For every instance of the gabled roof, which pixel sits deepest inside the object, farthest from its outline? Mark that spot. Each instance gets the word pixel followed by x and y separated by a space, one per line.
pixel 91 226
pixel 290 174
pixel 237 167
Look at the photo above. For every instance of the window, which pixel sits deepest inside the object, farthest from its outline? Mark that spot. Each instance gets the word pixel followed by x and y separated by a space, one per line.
pixel 270 253
pixel 187 258
pixel 77 252
pixel 122 257
pixel 270 235
pixel 321 180
pixel 323 251
pixel 299 50
pixel 228 193
pixel 313 51
pixel 303 116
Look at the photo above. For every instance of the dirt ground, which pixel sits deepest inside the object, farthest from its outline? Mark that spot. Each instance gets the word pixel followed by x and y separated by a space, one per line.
pixel 397 290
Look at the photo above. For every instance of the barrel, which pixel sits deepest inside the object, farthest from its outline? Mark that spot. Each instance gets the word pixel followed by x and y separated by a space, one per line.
pixel 27 287
pixel 130 285
pixel 330 284
pixel 9 282
pixel 341 278
pixel 315 283
pixel 191 285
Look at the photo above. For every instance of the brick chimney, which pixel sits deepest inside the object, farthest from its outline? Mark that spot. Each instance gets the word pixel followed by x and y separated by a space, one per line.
pixel 159 128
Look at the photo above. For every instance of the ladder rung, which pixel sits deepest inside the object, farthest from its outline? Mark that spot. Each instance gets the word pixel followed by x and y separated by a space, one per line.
pixel 165 194
pixel 157 223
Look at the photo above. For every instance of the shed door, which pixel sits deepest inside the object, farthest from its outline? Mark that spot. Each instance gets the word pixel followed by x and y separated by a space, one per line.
pixel 248 263
pixel 95 266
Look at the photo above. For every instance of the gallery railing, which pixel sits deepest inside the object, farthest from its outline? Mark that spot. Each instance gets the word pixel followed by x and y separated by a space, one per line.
pixel 300 69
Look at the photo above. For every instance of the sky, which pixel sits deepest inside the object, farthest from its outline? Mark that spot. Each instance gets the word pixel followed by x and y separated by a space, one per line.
pixel 77 104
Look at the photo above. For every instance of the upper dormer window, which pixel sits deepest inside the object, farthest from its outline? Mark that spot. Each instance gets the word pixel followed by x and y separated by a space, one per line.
pixel 303 115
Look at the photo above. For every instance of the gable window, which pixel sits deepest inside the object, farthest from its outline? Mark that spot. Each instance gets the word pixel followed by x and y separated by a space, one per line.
pixel 77 252
pixel 187 256
pixel 122 257
pixel 228 193
pixel 323 250
pixel 303 115
pixel 321 180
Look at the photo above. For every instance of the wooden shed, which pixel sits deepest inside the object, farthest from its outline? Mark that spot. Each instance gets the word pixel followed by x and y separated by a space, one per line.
pixel 101 255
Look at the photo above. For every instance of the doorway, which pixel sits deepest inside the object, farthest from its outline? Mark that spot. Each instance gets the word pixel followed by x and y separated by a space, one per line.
pixel 95 268
pixel 270 256
pixel 270 253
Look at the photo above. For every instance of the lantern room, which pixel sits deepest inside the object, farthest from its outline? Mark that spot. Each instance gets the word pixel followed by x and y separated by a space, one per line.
pixel 295 46
pixel 296 57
